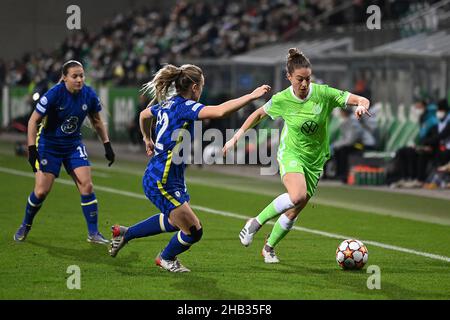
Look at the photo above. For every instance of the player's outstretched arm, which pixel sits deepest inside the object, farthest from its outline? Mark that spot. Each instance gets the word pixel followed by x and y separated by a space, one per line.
pixel 226 108
pixel 256 117
pixel 100 128
pixel 145 124
pixel 362 104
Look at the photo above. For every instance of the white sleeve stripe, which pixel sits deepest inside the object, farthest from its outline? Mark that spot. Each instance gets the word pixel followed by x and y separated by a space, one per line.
pixel 41 108
pixel 196 106
pixel 348 97
pixel 266 108
pixel 267 105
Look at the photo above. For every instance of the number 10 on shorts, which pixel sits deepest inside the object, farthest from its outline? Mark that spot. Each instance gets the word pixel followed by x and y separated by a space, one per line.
pixel 83 152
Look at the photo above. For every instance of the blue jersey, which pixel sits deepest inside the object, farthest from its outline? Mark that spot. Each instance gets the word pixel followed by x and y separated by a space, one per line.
pixel 171 115
pixel 64 114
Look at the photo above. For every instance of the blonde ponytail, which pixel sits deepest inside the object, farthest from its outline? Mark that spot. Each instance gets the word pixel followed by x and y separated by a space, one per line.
pixel 170 80
pixel 159 87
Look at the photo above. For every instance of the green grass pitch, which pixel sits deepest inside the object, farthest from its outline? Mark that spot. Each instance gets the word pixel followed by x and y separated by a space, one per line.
pixel 221 267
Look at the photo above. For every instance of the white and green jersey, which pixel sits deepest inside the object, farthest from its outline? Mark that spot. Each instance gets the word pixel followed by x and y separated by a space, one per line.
pixel 305 133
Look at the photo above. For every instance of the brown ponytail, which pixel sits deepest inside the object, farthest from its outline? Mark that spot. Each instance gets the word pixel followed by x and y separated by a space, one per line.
pixel 160 88
pixel 296 60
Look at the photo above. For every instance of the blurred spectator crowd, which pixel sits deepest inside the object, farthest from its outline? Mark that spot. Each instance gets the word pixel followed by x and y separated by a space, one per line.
pixel 423 163
pixel 133 45
pixel 426 163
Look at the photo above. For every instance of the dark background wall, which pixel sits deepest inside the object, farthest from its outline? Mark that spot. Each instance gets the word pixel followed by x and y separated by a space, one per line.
pixel 30 25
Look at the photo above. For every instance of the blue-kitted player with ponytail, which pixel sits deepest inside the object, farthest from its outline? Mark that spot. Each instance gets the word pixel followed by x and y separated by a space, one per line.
pixel 61 112
pixel 163 181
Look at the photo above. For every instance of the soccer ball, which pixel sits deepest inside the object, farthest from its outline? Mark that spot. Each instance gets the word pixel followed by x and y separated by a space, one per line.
pixel 351 254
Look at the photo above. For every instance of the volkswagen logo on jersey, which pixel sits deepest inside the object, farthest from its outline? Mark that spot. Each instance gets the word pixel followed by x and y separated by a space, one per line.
pixel 70 125
pixel 84 107
pixel 309 128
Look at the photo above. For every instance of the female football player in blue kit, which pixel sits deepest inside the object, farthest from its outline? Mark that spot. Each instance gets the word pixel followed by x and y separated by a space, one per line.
pixel 61 112
pixel 163 181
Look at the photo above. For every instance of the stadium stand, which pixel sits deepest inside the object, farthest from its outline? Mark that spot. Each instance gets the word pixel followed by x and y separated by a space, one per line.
pixel 134 44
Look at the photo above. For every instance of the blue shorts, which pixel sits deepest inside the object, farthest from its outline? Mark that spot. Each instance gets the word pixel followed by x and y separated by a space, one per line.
pixel 166 198
pixel 51 159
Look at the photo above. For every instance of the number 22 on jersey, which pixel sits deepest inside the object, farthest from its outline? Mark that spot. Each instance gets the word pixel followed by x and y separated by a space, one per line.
pixel 163 121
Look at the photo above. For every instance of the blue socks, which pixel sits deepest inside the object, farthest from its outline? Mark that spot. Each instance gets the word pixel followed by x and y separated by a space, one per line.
pixel 181 242
pixel 32 208
pixel 159 223
pixel 156 224
pixel 89 206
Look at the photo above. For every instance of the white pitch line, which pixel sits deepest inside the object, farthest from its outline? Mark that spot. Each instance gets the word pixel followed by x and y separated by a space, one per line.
pixel 239 216
pixel 99 174
pixel 331 235
pixel 379 210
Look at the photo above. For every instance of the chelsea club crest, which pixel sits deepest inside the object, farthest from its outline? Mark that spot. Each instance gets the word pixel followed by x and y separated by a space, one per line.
pixel 70 125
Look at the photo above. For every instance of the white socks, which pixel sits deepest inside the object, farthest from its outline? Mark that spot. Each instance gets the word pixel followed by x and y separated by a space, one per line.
pixel 283 203
pixel 285 222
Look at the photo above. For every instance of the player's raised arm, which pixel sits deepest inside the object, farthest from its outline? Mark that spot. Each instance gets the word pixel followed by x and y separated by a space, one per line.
pixel 362 104
pixel 145 124
pixel 226 108
pixel 256 117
